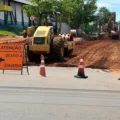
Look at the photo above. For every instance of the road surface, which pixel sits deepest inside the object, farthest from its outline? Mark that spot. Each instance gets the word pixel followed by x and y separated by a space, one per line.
pixel 58 77
pixel 58 104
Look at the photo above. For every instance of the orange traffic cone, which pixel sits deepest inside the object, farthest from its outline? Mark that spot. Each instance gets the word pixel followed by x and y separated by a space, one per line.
pixel 81 73
pixel 42 67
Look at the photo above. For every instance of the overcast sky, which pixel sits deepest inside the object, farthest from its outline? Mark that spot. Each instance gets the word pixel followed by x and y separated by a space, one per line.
pixel 112 5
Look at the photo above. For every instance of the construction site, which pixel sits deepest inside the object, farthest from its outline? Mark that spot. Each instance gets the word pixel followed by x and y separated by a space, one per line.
pixel 97 54
pixel 101 53
pixel 59 60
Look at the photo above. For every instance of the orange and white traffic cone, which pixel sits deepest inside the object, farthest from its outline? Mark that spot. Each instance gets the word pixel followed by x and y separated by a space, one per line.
pixel 42 67
pixel 81 72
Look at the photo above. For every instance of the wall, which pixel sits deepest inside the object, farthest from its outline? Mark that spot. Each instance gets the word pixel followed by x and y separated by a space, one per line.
pixel 1 13
pixel 65 28
pixel 18 7
pixel 25 18
pixel 19 13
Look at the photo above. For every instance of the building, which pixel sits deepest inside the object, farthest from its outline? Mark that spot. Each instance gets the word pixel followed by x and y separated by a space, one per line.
pixel 11 12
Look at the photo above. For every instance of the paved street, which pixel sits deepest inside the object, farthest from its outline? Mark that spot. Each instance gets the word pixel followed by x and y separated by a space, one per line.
pixel 59 96
pixel 39 104
pixel 62 78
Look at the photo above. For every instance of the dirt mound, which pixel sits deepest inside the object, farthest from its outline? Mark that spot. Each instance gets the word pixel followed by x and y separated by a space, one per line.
pixel 97 54
pixel 101 54
pixel 12 39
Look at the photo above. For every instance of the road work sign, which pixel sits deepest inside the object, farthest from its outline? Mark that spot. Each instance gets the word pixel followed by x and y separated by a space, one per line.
pixel 11 56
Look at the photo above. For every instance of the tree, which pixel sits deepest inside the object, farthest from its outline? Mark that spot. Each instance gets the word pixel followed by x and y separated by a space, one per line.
pixel 89 11
pixel 103 15
pixel 78 13
pixel 74 12
pixel 41 5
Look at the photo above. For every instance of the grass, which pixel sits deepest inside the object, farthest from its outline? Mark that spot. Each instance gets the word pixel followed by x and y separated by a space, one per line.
pixel 4 32
pixel 16 30
pixel 11 31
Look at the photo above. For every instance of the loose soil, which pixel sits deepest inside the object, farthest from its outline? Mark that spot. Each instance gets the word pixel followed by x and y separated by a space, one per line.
pixel 100 54
pixel 7 39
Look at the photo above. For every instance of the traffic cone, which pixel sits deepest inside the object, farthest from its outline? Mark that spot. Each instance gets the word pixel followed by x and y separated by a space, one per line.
pixel 42 67
pixel 81 72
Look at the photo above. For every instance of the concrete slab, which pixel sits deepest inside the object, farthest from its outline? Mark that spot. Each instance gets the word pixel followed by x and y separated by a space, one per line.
pixel 61 78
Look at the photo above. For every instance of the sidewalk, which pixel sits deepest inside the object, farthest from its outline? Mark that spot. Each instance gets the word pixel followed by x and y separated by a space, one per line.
pixel 61 78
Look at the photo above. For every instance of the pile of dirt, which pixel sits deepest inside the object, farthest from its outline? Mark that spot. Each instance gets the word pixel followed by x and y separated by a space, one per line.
pixel 104 54
pixel 7 39
pixel 100 54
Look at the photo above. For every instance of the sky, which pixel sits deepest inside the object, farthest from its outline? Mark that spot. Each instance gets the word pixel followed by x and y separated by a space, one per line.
pixel 112 5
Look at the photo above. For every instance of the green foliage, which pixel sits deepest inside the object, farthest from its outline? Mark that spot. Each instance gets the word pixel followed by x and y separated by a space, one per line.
pixel 74 12
pixel 41 5
pixel 4 32
pixel 103 15
pixel 78 12
pixel 89 11
pixel 11 31
pixel 91 28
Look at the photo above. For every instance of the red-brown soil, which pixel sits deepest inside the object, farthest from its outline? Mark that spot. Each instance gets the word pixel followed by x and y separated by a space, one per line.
pixel 101 54
pixel 104 54
pixel 5 39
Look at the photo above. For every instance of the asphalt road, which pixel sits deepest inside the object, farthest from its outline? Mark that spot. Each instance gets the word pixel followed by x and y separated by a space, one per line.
pixel 53 104
pixel 61 78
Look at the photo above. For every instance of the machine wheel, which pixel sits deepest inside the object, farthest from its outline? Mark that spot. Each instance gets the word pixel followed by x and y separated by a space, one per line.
pixel 32 57
pixel 58 48
pixel 70 52
pixel 66 52
pixel 24 33
pixel 115 37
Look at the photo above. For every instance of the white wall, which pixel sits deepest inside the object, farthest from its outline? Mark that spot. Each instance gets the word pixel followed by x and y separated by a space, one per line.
pixel 6 2
pixel 13 7
pixel 25 17
pixel 65 28
pixel 18 7
pixel 1 1
pixel 18 12
pixel 1 13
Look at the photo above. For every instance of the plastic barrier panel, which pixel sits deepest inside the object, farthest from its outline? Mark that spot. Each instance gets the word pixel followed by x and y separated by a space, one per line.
pixel 11 56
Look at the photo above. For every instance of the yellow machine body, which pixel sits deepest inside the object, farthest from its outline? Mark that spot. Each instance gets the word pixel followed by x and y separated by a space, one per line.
pixel 41 40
